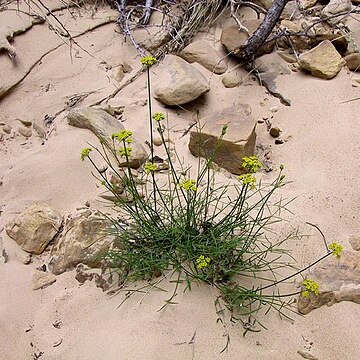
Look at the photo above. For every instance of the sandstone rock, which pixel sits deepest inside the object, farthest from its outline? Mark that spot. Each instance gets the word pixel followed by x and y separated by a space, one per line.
pixel 204 54
pixel 353 61
pixel 40 131
pixel 42 279
pixel 86 239
pixel 232 79
pixel 233 39
pixel 290 58
pixel 323 61
pixel 26 123
pixel 7 129
pixel 238 142
pixel 307 355
pixel 339 280
pixel 25 131
pixel 291 11
pixel 335 7
pixel 355 242
pixel 306 4
pixel 35 228
pixel 300 43
pixel 178 82
pixel 103 126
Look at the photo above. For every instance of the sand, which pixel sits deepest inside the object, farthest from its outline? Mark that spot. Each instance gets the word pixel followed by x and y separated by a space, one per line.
pixel 321 157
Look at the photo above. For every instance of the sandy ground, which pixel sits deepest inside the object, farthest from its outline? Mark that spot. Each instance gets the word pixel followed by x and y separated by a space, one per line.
pixel 321 158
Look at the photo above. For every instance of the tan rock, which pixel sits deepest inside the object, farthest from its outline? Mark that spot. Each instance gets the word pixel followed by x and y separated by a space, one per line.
pixel 306 4
pixel 355 242
pixel 335 7
pixel 204 54
pixel 7 129
pixel 300 43
pixel 42 279
pixel 353 61
pixel 291 11
pixel 238 142
pixel 86 239
pixel 178 82
pixel 323 61
pixel 338 279
pixel 25 131
pixel 35 228
pixel 232 79
pixel 103 126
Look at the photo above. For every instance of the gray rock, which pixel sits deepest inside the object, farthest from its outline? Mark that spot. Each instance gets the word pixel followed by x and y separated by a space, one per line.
pixel 178 82
pixel 35 228
pixel 339 280
pixel 238 142
pixel 353 61
pixel 204 54
pixel 85 240
pixel 103 126
pixel 42 279
pixel 322 61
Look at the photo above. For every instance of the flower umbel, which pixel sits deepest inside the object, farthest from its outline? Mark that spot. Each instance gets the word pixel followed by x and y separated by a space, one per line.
pixel 251 164
pixel 148 60
pixel 85 153
pixel 149 167
pixel 311 286
pixel 158 116
pixel 126 152
pixel 123 135
pixel 188 185
pixel 202 261
pixel 248 179
pixel 336 249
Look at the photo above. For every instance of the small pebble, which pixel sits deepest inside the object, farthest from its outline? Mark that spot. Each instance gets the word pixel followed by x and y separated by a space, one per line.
pixel 7 129
pixel 261 121
pixel 279 141
pixel 274 109
pixel 87 204
pixel 275 132
pixel 24 131
pixel 27 260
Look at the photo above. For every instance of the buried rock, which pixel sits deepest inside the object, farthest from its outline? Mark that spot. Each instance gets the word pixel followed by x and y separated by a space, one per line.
pixel 178 82
pixel 35 228
pixel 103 126
pixel 338 279
pixel 86 239
pixel 237 143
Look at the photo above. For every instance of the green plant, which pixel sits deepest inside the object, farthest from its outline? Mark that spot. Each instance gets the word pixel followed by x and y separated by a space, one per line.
pixel 198 230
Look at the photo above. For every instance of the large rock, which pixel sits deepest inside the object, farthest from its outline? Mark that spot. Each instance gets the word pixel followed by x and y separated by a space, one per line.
pixel 86 239
pixel 35 228
pixel 353 61
pixel 338 279
pixel 204 54
pixel 178 82
pixel 335 7
pixel 238 142
pixel 322 61
pixel 300 43
pixel 233 39
pixel 103 125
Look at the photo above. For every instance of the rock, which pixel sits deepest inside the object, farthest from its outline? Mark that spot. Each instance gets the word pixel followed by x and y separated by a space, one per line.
pixel 355 242
pixel 26 123
pixel 7 129
pixel 40 131
pixel 355 82
pixel 275 132
pixel 279 141
pixel 25 131
pixel 233 39
pixel 307 355
pixel 232 79
pixel 3 255
pixel 35 228
pixel 27 260
pixel 42 279
pixel 103 126
pixel 338 279
pixel 353 61
pixel 300 43
pixel 178 82
pixel 117 183
pixel 274 109
pixel 306 4
pixel 204 54
pixel 290 58
pixel 86 239
pixel 238 142
pixel 120 71
pixel 335 7
pixel 291 11
pixel 322 61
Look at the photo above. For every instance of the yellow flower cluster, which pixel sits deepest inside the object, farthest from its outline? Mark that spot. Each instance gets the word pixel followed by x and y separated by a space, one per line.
pixel 336 249
pixel 125 152
pixel 202 261
pixel 158 116
pixel 251 164
pixel 248 179
pixel 311 286
pixel 123 135
pixel 85 153
pixel 149 167
pixel 148 60
pixel 188 185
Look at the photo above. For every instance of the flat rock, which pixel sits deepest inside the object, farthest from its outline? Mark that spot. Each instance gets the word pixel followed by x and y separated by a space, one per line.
pixel 35 228
pixel 178 82
pixel 25 131
pixel 232 78
pixel 335 7
pixel 204 54
pixel 42 279
pixel 353 61
pixel 238 142
pixel 339 280
pixel 85 240
pixel 322 61
pixel 103 125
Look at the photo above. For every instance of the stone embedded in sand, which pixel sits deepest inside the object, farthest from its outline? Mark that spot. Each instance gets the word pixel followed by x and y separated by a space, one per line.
pixel 35 228
pixel 322 61
pixel 204 54
pixel 25 131
pixel 355 242
pixel 42 279
pixel 238 142
pixel 178 82
pixel 233 39
pixel 353 61
pixel 103 126
pixel 339 280
pixel 85 240
pixel 299 43
pixel 232 78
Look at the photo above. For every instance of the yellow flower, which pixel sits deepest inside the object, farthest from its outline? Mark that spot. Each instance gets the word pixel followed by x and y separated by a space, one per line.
pixel 336 249
pixel 85 153
pixel 202 261
pixel 251 164
pixel 148 60
pixel 149 167
pixel 123 135
pixel 248 179
pixel 126 152
pixel 310 287
pixel 158 116
pixel 188 185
